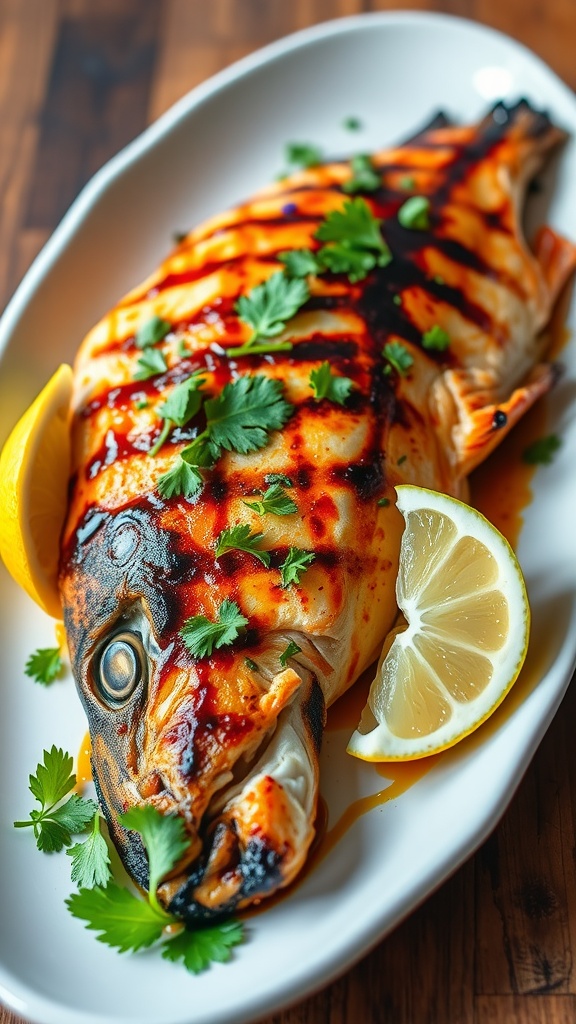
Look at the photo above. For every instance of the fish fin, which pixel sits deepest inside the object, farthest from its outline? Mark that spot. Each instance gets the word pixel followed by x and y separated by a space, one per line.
pixel 556 257
pixel 482 419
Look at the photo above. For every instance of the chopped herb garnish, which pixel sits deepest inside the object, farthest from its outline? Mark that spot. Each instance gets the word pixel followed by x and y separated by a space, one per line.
pixel 352 124
pixel 401 460
pixel 90 859
pixel 326 384
pixel 436 339
pixel 56 822
pixel 182 349
pixel 407 182
pixel 274 500
pixel 398 357
pixel 438 279
pixel 251 665
pixel 295 565
pixel 152 332
pixel 142 403
pixel 201 636
pixel 383 502
pixel 302 154
pixel 364 178
pixel 414 214
pixel 183 403
pixel 542 451
pixel 289 652
pixel 268 307
pixel 355 263
pixel 241 538
pixel 209 944
pixel 278 478
pixel 397 300
pixel 356 243
pixel 182 479
pixel 122 920
pixel 151 362
pixel 300 262
pixel 44 665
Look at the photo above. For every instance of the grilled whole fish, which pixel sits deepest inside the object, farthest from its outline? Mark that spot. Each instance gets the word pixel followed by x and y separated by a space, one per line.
pixel 229 740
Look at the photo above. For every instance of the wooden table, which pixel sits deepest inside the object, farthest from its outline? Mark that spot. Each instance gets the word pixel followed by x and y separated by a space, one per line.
pixel 79 79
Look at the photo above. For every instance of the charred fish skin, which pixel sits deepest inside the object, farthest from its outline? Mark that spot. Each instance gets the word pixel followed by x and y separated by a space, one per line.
pixel 230 741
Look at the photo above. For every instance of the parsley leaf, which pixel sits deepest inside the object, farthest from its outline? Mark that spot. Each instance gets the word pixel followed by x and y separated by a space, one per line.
pixel 300 262
pixel 269 305
pixel 294 565
pixel 54 825
pixel 364 176
pixel 44 665
pixel 151 332
pixel 90 859
pixel 165 839
pixel 124 921
pixel 278 478
pixel 414 214
pixel 398 357
pixel 274 500
pixel 197 949
pixel 201 636
pixel 241 538
pixel 181 406
pixel 355 225
pixel 542 451
pixel 291 649
pixel 151 362
pixel 182 479
pixel 356 263
pixel 436 338
pixel 241 416
pixel 325 384
pixel 302 154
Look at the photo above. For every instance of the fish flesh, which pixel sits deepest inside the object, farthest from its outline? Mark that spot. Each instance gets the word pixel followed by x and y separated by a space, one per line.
pixel 438 336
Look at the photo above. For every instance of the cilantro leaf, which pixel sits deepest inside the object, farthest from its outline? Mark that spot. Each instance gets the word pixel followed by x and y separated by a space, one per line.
pixel 342 258
pixel 325 384
pixel 198 949
pixel 165 839
pixel 436 339
pixel 184 401
pixel 398 357
pixel 201 636
pixel 354 224
pixel 152 331
pixel 75 814
pixel 542 451
pixel 90 859
pixel 278 478
pixel 294 565
pixel 54 778
pixel 182 479
pixel 151 362
pixel 241 416
pixel 291 649
pixel 242 539
pixel 124 921
pixel 303 154
pixel 274 500
pixel 414 214
pixel 269 305
pixel 44 665
pixel 300 262
pixel 364 176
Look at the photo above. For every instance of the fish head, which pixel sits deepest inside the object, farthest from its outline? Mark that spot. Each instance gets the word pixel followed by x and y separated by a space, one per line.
pixel 178 733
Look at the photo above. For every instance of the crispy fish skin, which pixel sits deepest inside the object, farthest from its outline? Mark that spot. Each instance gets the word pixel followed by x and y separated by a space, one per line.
pixel 230 742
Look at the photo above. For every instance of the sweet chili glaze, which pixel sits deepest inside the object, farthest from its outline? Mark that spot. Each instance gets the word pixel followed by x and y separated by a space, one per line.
pixel 340 460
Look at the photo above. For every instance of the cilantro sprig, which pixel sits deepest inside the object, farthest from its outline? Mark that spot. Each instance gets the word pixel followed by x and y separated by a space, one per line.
pixel 152 331
pixel 44 665
pixel 267 308
pixel 201 635
pixel 151 362
pixel 303 154
pixel 397 357
pixel 295 565
pixel 274 500
pixel 290 650
pixel 326 384
pixel 56 821
pixel 436 339
pixel 90 859
pixel 198 949
pixel 241 538
pixel 364 178
pixel 183 403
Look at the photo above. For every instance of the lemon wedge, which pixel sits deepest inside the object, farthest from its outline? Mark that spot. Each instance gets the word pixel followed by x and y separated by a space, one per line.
pixel 462 594
pixel 34 471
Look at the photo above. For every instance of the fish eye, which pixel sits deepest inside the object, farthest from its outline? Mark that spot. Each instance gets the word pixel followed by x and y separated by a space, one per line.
pixel 120 668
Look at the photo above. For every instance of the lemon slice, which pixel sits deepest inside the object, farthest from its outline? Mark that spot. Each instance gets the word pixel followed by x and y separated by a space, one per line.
pixel 34 471
pixel 463 596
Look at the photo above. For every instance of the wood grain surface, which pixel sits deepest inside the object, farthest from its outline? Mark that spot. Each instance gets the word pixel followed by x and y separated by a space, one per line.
pixel 78 80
